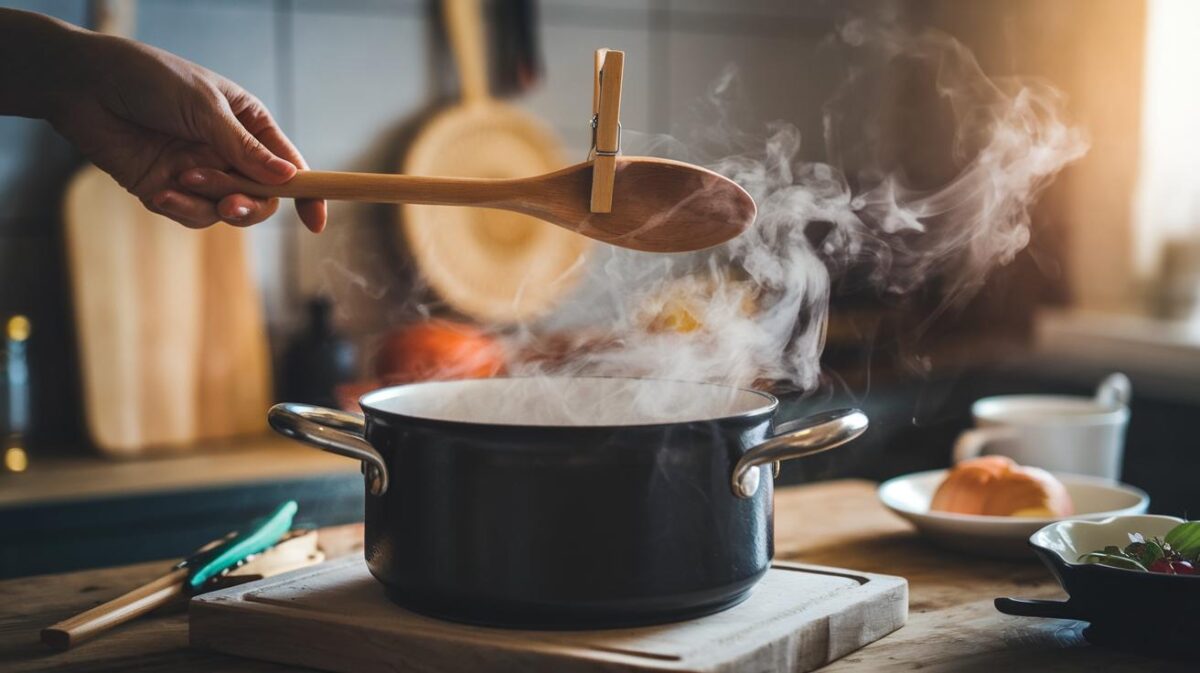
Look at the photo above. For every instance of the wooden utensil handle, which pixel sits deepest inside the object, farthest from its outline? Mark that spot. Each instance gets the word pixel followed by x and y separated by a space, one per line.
pixel 464 26
pixel 88 625
pixel 384 188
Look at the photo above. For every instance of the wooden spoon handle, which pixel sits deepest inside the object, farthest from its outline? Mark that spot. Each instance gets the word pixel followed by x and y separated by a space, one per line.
pixel 384 188
pixel 88 625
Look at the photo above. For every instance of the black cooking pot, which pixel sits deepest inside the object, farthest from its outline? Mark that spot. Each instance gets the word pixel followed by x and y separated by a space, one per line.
pixel 567 502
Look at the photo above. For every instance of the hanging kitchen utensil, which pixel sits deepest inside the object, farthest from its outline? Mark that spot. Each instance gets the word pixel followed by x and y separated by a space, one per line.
pixel 171 340
pixel 517 47
pixel 489 264
pixel 189 576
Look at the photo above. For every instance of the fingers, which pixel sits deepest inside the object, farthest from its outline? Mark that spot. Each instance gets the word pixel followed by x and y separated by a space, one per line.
pixel 246 137
pixel 262 147
pixel 220 186
pixel 312 212
pixel 197 213
pixel 242 211
pixel 190 211
pixel 232 206
pixel 209 183
pixel 246 153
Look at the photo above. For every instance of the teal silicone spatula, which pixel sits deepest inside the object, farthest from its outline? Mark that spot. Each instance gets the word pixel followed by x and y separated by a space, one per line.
pixel 205 564
pixel 187 576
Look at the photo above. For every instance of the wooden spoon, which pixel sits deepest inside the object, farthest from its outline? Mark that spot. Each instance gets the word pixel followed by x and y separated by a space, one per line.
pixel 659 205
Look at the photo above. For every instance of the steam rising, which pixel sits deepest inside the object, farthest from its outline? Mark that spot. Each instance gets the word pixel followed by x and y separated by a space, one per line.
pixel 756 308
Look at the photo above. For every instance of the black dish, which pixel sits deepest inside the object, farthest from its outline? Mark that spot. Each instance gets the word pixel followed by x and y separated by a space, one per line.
pixel 1150 613
pixel 549 522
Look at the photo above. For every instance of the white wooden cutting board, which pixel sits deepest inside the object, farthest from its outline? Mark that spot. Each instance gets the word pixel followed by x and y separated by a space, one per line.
pixel 335 617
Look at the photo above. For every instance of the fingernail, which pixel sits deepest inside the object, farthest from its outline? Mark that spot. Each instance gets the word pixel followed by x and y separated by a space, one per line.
pixel 280 167
pixel 163 200
pixel 240 212
pixel 193 178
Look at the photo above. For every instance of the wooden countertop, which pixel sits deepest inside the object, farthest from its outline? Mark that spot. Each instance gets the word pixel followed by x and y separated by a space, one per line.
pixel 64 479
pixel 952 625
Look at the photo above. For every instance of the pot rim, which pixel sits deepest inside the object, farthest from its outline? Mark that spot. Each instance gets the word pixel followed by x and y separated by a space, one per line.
pixel 770 406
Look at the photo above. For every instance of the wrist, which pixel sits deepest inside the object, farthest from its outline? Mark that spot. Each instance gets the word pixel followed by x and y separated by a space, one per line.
pixel 70 71
pixel 45 60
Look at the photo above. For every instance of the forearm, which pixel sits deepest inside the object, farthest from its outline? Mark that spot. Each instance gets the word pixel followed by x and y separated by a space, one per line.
pixel 41 62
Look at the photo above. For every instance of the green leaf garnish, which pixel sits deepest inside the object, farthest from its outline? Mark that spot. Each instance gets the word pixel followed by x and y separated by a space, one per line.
pixel 1185 539
pixel 1112 560
pixel 1151 552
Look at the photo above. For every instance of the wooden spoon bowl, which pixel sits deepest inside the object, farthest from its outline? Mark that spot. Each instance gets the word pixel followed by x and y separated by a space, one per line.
pixel 658 206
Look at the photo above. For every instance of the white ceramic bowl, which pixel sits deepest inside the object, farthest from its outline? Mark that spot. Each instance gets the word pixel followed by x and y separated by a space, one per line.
pixel 1008 536
pixel 1072 539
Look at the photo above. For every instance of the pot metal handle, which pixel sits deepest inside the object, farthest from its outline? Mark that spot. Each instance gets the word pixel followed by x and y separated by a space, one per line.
pixel 333 431
pixel 821 432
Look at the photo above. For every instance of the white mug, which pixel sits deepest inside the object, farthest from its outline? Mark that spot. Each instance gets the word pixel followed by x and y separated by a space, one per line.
pixel 1059 433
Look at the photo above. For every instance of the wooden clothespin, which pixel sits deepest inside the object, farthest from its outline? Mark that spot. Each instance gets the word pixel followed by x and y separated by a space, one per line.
pixel 606 126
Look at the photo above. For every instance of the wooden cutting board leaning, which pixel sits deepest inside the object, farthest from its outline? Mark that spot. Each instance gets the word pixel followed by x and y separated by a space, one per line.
pixel 489 264
pixel 170 330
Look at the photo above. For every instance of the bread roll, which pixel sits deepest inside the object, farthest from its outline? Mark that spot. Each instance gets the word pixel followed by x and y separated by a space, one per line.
pixel 997 486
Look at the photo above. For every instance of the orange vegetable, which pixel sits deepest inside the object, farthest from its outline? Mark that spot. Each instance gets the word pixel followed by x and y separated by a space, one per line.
pixel 997 486
pixel 438 350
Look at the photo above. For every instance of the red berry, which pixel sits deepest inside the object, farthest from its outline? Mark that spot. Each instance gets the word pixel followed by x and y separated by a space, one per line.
pixel 1183 568
pixel 1162 565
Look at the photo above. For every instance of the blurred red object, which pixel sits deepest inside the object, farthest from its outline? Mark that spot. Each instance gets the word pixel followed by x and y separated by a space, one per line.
pixel 347 394
pixel 438 350
pixel 564 353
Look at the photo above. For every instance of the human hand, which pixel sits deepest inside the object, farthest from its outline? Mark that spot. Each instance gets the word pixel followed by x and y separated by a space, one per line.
pixel 146 116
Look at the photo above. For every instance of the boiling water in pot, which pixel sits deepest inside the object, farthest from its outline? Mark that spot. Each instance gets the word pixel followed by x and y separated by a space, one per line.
pixel 553 401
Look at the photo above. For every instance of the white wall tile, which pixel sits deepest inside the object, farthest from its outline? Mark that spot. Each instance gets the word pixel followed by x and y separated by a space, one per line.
pixel 785 79
pixel 768 8
pixel 368 7
pixel 234 39
pixel 564 97
pixel 599 5
pixel 359 77
pixel 73 11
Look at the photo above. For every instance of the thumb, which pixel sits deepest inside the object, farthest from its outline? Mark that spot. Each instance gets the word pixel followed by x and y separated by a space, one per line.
pixel 235 144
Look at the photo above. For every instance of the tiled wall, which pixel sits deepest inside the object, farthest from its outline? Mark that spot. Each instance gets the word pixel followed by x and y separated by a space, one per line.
pixel 345 78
